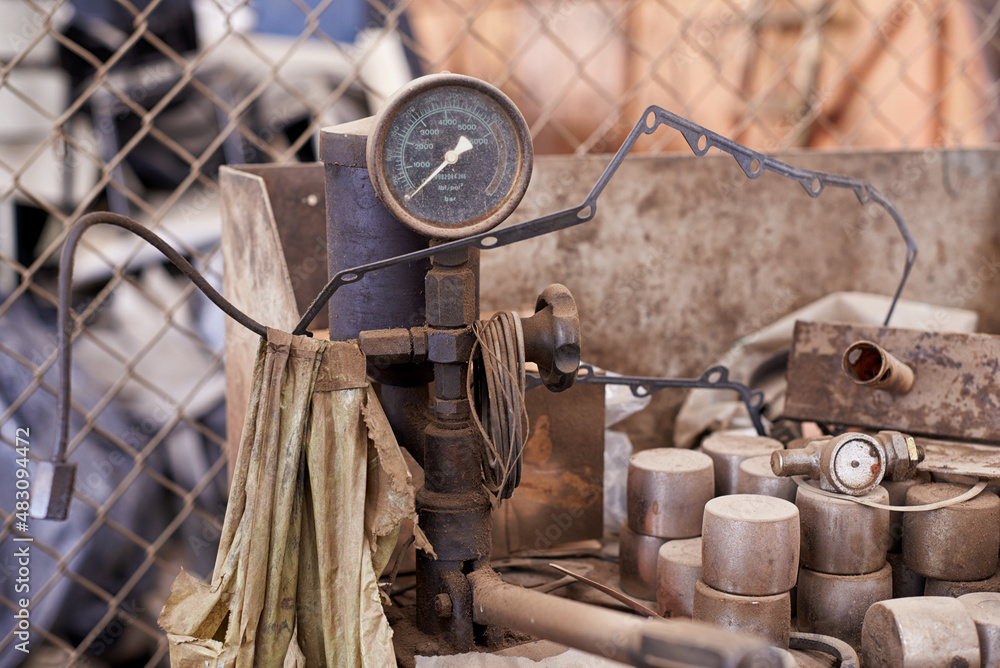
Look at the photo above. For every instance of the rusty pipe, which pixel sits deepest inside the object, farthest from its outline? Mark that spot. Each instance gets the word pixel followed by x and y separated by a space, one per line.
pixel 616 635
pixel 871 365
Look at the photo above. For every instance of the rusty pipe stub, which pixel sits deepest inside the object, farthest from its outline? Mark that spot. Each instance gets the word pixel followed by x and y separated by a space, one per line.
pixel 871 365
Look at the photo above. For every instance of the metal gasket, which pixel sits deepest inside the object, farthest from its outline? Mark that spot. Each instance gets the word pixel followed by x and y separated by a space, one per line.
pixel 715 378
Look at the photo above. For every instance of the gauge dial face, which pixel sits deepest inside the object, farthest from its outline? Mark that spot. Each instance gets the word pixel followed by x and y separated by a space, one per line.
pixel 450 156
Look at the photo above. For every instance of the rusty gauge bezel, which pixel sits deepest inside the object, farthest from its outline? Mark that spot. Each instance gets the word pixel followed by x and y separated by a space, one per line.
pixel 497 127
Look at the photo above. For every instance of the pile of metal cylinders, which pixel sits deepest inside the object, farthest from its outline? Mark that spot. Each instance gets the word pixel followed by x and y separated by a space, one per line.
pixel 667 489
pixel 714 535
pixel 954 551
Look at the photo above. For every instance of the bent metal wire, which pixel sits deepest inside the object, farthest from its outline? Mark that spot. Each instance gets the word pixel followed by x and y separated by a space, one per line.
pixel 698 138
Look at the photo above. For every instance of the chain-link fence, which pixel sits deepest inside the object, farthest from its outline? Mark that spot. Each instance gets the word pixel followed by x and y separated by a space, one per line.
pixel 133 106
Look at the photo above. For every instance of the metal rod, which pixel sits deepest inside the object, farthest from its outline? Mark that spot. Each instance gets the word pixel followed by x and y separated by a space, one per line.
pixel 615 635
pixel 65 329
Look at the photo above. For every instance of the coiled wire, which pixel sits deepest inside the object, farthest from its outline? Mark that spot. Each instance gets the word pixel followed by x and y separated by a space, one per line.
pixel 495 387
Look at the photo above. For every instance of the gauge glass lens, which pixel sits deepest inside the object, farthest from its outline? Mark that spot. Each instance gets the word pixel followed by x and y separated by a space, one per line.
pixel 452 155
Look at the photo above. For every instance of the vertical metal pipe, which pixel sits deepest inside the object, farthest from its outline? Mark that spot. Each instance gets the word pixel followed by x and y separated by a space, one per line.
pixel 359 230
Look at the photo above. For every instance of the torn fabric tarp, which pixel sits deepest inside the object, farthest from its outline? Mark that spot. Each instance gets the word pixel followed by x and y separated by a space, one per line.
pixel 318 493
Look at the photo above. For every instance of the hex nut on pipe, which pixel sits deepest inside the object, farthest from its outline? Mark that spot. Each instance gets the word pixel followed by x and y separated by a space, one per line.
pixel 750 545
pixel 637 557
pixel 959 542
pixel 984 608
pixel 904 581
pixel 835 605
pixel 767 617
pixel 678 569
pixel 756 477
pixel 921 632
pixel 841 537
pixel 728 451
pixel 666 492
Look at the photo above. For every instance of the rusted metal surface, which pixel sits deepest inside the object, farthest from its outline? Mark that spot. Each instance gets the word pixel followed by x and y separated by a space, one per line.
pixel 841 537
pixel 897 497
pixel 955 391
pixel 359 230
pixel 925 631
pixel 766 617
pixel 970 459
pixel 659 267
pixel 615 635
pixel 956 588
pixel 835 605
pixel 958 542
pixel 452 505
pixel 666 492
pixel 561 496
pixel 843 654
pixel 750 545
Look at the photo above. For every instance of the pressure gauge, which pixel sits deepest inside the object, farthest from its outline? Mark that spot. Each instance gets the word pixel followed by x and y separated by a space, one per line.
pixel 450 156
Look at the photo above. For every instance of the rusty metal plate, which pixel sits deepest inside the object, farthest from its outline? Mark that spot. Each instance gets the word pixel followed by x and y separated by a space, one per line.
pixel 955 394
pixel 561 496
pixel 968 459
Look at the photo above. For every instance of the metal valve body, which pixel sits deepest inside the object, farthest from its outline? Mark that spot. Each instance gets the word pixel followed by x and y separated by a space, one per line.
pixel 852 463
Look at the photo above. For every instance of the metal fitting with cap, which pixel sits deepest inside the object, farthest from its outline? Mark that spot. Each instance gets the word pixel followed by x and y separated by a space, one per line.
pixel 852 463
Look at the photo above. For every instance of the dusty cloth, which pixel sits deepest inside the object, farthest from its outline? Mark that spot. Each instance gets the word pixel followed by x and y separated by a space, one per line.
pixel 319 490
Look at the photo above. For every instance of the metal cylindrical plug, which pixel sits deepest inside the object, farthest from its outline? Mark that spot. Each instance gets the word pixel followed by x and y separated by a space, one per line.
pixel 667 489
pixel 750 544
pixel 869 364
pixel 728 450
pixel 921 631
pixel 959 542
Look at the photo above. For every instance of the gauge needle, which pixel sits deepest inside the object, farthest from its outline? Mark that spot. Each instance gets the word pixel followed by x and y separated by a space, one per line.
pixel 450 158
